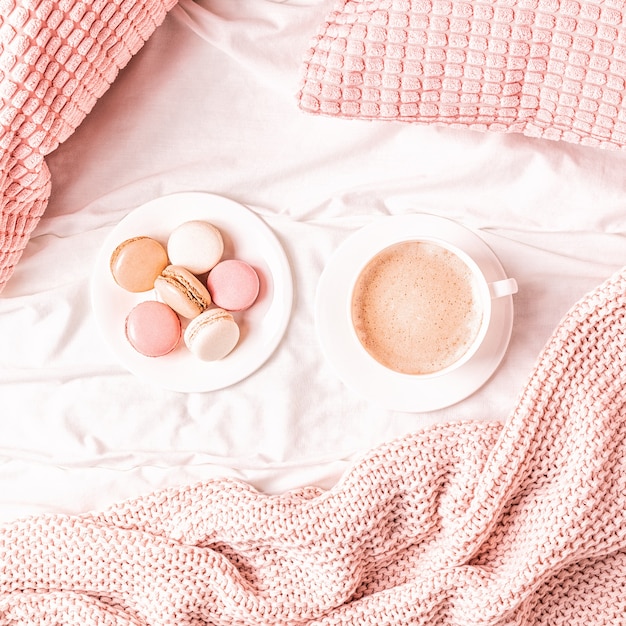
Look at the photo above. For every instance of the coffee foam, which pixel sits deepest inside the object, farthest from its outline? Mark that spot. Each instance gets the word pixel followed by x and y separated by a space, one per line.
pixel 416 307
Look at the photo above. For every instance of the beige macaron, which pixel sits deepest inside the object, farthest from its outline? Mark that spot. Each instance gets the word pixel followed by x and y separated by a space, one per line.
pixel 182 291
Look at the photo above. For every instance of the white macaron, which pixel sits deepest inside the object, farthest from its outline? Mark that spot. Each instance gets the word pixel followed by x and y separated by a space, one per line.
pixel 195 245
pixel 212 335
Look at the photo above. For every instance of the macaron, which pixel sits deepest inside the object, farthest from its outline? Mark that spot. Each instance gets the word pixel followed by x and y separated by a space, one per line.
pixel 153 328
pixel 233 285
pixel 195 245
pixel 182 291
pixel 136 262
pixel 212 335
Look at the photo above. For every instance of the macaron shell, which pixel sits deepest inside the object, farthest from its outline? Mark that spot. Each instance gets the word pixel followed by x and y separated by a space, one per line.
pixel 182 291
pixel 153 329
pixel 212 335
pixel 233 285
pixel 195 245
pixel 135 263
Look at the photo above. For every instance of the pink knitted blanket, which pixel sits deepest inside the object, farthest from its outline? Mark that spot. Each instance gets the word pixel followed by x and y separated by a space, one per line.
pixel 56 60
pixel 463 524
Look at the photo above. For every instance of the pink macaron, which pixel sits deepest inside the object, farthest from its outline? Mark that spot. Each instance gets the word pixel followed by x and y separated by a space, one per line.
pixel 153 328
pixel 233 285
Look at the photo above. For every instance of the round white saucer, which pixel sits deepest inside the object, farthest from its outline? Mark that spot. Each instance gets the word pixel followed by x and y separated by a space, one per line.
pixel 246 237
pixel 380 385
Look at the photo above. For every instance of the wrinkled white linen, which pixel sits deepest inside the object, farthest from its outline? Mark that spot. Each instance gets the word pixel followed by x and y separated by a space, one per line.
pixel 209 105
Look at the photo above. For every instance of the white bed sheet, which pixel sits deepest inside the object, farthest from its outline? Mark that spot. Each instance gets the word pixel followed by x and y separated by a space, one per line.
pixel 209 105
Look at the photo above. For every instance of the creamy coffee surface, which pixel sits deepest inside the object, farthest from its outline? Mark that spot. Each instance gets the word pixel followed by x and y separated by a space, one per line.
pixel 416 307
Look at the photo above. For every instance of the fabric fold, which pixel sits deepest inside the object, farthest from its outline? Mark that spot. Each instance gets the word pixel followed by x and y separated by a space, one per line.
pixel 459 524
pixel 57 59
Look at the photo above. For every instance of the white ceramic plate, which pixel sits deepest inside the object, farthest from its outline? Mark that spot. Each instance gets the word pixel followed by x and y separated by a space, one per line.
pixel 246 237
pixel 381 386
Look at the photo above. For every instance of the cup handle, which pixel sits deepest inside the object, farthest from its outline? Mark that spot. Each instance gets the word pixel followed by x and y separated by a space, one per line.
pixel 505 287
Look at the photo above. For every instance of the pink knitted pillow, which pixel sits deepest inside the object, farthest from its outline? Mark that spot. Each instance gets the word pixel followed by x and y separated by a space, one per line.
pixel 545 68
pixel 56 60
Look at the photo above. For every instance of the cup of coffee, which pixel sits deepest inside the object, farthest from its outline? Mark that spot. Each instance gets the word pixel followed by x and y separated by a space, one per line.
pixel 422 306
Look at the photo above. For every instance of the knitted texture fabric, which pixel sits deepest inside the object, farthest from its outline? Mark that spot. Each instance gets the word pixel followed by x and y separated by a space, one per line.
pixel 56 60
pixel 545 68
pixel 520 523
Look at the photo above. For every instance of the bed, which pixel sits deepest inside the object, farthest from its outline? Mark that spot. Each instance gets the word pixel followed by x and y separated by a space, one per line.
pixel 225 102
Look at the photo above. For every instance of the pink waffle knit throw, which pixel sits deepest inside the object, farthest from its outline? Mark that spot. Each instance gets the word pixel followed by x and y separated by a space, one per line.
pixel 465 524
pixel 545 68
pixel 56 60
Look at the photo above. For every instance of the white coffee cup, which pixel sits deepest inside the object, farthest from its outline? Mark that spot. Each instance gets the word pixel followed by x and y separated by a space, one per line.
pixel 421 307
